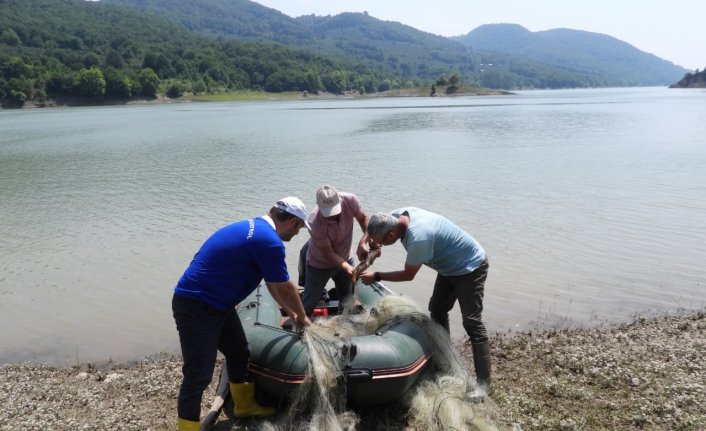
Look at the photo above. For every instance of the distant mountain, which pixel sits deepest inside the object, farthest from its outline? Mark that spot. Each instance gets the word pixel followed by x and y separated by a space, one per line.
pixel 599 55
pixel 389 47
pixel 394 47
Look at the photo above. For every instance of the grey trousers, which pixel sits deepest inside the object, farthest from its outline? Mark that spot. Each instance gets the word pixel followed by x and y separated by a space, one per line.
pixel 468 289
pixel 315 280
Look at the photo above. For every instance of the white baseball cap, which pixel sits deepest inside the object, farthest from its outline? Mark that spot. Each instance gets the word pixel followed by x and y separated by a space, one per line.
pixel 294 206
pixel 328 201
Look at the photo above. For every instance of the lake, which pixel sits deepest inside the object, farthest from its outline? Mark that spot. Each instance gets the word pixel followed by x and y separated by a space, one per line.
pixel 591 204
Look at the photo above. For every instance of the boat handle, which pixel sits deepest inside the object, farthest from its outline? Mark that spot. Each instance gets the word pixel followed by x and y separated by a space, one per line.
pixel 358 374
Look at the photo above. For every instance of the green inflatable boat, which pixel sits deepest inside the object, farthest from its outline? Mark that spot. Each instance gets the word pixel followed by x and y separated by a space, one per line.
pixel 376 368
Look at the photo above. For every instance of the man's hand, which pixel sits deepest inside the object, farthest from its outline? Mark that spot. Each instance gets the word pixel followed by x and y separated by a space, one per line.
pixel 367 277
pixel 287 296
pixel 362 252
pixel 348 268
pixel 302 320
pixel 372 244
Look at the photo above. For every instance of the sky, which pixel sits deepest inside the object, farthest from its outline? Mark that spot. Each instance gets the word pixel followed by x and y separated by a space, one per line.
pixel 674 30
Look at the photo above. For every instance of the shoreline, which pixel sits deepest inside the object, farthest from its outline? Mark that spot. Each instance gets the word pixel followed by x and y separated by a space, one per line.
pixel 248 96
pixel 648 374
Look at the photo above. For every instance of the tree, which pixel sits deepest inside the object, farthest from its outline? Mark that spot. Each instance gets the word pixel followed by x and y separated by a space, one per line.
pixel 61 83
pixel 113 59
pixel 3 88
pixel 91 60
pixel 335 82
pixel 117 84
pixel 276 82
pixel 14 67
pixel 199 86
pixel 442 81
pixel 9 37
pixel 454 79
pixel 176 90
pixel 91 83
pixel 159 63
pixel 15 99
pixel 313 81
pixel 17 92
pixel 149 82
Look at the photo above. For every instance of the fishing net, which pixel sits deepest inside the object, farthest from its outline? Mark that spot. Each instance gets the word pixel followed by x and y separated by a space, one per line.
pixel 435 402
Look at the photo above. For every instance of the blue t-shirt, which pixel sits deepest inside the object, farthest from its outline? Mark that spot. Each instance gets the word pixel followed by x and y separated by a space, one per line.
pixel 233 262
pixel 435 241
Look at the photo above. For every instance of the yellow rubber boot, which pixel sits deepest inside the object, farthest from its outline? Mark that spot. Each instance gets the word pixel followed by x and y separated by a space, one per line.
pixel 185 425
pixel 246 405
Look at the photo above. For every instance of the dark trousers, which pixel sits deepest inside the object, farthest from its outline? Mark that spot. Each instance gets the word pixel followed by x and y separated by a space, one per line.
pixel 203 330
pixel 468 290
pixel 315 283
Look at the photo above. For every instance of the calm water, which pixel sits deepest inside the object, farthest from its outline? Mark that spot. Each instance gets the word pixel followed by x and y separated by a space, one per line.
pixel 591 203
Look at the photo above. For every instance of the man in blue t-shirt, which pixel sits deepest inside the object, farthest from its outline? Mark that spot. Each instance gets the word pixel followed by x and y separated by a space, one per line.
pixel 226 269
pixel 461 266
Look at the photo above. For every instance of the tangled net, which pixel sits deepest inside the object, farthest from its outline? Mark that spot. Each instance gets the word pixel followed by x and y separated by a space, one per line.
pixel 435 402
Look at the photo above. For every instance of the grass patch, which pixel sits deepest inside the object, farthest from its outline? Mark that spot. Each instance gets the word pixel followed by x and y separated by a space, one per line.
pixel 244 96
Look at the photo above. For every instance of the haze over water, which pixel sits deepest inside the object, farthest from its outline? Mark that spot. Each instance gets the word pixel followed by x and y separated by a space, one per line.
pixel 590 203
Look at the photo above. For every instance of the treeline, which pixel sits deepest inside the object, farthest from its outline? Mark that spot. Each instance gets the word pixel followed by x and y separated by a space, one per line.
pixel 94 51
pixel 692 80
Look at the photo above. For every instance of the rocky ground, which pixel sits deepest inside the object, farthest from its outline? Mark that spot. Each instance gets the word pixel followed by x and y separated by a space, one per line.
pixel 646 375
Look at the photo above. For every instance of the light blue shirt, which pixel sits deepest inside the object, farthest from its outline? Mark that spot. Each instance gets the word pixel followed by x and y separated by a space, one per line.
pixel 435 241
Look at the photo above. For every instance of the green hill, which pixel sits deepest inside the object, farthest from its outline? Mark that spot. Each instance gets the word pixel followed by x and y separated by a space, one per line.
pixel 231 19
pixel 119 49
pixel 417 57
pixel 387 46
pixel 604 57
pixel 96 51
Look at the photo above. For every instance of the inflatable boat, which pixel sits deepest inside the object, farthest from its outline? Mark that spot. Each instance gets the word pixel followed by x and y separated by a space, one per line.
pixel 376 368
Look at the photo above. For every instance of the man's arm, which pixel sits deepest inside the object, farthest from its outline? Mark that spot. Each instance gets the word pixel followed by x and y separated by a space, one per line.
pixel 332 257
pixel 363 222
pixel 407 274
pixel 287 296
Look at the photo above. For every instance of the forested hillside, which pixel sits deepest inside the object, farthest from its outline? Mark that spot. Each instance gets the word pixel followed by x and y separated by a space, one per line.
pixel 692 80
pixel 389 47
pixel 115 50
pixel 603 57
pixel 230 19
pixel 98 51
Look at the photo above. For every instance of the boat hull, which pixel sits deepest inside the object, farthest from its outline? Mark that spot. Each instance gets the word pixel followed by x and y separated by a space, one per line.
pixel 375 369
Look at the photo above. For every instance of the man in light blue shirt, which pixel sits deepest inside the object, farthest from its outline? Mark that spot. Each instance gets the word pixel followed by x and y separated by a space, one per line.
pixel 462 268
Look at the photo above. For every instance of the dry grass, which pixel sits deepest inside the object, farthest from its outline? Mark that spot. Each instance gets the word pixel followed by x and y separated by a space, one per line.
pixel 646 375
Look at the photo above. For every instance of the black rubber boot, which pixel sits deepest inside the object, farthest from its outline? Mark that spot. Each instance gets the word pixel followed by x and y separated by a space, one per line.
pixel 481 361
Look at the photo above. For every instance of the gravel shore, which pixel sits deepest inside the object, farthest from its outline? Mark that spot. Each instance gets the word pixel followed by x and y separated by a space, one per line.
pixel 649 374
